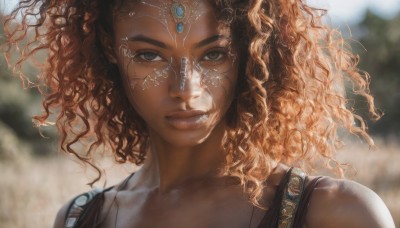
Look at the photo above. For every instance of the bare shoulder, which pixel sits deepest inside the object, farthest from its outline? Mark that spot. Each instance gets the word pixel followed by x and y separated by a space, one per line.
pixel 344 203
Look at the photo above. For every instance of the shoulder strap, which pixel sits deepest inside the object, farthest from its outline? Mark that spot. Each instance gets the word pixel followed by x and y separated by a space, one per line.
pixel 304 202
pixel 76 208
pixel 291 197
pixel 84 209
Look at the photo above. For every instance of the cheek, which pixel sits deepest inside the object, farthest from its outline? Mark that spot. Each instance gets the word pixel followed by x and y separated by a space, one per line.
pixel 219 76
pixel 222 89
pixel 142 100
pixel 142 76
pixel 146 108
pixel 222 84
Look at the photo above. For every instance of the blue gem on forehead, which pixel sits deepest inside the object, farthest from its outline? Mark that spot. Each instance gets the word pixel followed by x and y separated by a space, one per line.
pixel 180 11
pixel 180 27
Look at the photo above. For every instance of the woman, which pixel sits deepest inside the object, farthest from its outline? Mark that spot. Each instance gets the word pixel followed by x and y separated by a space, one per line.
pixel 215 99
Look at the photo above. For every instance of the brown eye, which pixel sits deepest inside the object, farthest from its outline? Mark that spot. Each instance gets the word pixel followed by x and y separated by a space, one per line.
pixel 215 55
pixel 149 56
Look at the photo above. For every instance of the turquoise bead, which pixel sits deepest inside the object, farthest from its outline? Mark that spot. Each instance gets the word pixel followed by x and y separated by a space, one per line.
pixel 180 27
pixel 180 11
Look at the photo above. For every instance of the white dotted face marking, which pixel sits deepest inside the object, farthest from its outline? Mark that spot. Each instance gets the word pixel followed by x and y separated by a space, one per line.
pixel 148 69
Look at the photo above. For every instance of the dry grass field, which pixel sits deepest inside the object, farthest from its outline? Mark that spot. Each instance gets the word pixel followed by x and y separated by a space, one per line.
pixel 33 189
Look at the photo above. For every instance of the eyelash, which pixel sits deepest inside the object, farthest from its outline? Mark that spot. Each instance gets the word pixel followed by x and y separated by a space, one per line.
pixel 140 56
pixel 221 51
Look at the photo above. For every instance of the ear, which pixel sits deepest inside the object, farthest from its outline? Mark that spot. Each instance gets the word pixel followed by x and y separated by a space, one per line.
pixel 108 46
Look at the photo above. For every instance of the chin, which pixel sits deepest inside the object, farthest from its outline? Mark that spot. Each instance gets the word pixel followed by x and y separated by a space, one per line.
pixel 188 139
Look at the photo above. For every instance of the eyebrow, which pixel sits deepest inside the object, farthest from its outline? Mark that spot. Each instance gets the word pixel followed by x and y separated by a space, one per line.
pixel 142 38
pixel 209 40
pixel 149 40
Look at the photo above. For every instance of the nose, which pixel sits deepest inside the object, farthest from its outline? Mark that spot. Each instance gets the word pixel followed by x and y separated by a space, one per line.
pixel 183 73
pixel 186 84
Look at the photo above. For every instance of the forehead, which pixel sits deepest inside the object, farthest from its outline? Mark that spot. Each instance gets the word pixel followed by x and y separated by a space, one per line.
pixel 143 7
pixel 161 18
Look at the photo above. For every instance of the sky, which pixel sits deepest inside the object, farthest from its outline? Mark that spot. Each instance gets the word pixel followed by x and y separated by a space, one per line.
pixel 352 11
pixel 340 11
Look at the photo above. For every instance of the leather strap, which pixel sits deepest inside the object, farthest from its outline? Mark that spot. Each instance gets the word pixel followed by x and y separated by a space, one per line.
pixel 305 200
pixel 77 205
pixel 291 197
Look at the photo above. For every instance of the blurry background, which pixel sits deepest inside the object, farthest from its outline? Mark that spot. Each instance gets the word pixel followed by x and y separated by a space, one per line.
pixel 35 179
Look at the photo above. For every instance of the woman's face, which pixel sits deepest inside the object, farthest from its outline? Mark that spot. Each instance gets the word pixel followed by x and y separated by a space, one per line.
pixel 178 68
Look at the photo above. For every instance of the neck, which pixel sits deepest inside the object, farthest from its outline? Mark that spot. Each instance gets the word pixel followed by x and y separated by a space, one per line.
pixel 168 167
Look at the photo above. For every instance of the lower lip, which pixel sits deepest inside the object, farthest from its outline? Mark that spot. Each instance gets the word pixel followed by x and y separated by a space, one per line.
pixel 187 123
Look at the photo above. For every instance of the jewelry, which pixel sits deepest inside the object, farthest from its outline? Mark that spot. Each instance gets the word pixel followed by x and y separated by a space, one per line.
pixel 178 11
pixel 291 197
pixel 183 13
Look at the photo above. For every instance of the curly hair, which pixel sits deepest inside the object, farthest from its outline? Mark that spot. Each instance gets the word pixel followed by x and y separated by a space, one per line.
pixel 290 100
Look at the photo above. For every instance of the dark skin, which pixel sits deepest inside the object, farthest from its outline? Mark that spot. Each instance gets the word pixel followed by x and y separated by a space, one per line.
pixel 180 184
